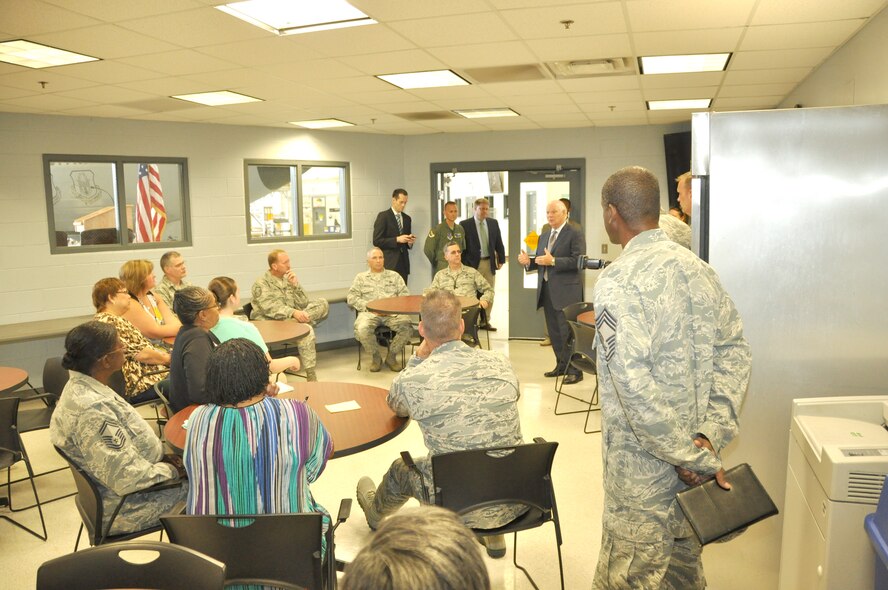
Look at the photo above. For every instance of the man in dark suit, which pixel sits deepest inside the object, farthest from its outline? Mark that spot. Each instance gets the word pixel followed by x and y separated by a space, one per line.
pixel 486 256
pixel 391 234
pixel 559 284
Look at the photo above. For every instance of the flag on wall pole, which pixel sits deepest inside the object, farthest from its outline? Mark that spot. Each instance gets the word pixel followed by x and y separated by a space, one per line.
pixel 150 212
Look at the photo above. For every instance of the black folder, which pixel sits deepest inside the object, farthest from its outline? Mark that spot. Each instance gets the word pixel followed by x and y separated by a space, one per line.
pixel 715 513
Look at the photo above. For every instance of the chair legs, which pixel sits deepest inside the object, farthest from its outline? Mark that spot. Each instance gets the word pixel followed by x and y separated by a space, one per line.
pixel 36 501
pixel 527 573
pixel 593 401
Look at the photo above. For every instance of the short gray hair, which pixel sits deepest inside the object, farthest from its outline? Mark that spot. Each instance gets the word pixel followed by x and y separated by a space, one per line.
pixel 440 312
pixel 372 250
pixel 635 193
pixel 423 547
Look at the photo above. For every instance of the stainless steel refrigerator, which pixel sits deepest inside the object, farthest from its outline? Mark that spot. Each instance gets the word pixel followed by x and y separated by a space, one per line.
pixel 791 209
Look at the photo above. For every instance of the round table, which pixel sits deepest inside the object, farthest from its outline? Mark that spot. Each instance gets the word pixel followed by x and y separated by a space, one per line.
pixel 11 379
pixel 408 304
pixel 352 431
pixel 275 332
pixel 587 318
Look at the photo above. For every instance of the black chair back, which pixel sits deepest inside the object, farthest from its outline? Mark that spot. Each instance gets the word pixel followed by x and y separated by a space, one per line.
pixel 10 442
pixel 55 376
pixel 583 354
pixel 248 309
pixel 470 320
pixel 101 235
pixel 253 546
pixel 574 309
pixel 88 500
pixel 123 566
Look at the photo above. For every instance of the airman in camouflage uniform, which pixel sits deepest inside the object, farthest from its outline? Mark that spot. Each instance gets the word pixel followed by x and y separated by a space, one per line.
pixel 461 280
pixel 277 295
pixel 447 231
pixel 673 368
pixel 105 436
pixel 461 397
pixel 377 283
pixel 173 266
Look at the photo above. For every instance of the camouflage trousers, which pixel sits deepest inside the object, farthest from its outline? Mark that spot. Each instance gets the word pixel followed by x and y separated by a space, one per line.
pixel 317 310
pixel 365 325
pixel 308 356
pixel 144 509
pixel 665 565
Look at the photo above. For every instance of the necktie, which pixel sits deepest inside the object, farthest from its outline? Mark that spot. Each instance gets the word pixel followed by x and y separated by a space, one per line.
pixel 484 239
pixel 400 224
pixel 552 235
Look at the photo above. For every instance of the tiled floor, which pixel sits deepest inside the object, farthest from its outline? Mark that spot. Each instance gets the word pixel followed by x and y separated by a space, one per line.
pixel 576 475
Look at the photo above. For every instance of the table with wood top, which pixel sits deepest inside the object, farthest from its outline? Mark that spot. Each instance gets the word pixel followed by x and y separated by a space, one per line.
pixel 408 304
pixel 273 332
pixel 352 431
pixel 587 318
pixel 11 379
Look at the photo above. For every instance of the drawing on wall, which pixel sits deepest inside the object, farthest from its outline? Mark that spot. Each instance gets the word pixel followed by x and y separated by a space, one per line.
pixel 84 187
pixel 56 191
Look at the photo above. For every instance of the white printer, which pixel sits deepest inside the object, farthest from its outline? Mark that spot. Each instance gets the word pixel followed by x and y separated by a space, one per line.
pixel 838 460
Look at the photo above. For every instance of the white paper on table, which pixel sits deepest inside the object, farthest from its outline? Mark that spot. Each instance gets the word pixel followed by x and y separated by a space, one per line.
pixel 343 407
pixel 284 387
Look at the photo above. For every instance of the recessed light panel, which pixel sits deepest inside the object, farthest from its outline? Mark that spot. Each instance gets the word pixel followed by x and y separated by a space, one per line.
pixel 290 17
pixel 667 105
pixel 430 79
pixel 34 55
pixel 219 98
pixel 322 123
pixel 485 113
pixel 683 64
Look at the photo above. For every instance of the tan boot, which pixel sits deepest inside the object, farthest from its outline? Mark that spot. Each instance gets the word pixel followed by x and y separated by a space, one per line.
pixel 376 364
pixel 310 375
pixel 393 363
pixel 366 494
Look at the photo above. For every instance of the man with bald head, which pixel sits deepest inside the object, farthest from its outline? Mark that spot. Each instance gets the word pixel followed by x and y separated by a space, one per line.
pixel 683 187
pixel 376 283
pixel 559 283
pixel 673 368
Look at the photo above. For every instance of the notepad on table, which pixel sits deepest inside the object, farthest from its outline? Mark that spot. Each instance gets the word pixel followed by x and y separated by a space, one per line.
pixel 343 407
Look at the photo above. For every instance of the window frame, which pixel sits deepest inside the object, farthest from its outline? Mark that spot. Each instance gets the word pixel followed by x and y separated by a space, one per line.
pixel 345 207
pixel 120 202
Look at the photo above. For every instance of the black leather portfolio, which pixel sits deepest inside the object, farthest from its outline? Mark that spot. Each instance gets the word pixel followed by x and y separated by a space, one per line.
pixel 715 513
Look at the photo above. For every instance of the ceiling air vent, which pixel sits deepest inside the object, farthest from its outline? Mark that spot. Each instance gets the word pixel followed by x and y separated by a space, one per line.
pixel 590 68
pixel 520 73
pixel 428 116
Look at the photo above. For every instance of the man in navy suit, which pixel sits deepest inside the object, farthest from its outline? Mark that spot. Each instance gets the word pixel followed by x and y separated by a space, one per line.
pixel 486 256
pixel 559 283
pixel 391 234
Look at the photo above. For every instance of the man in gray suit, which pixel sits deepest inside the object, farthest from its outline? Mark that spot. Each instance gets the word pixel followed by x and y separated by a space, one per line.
pixel 559 283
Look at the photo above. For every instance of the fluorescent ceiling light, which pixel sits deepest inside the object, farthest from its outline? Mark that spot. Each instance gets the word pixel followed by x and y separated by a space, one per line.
pixel 322 123
pixel 218 98
pixel 431 79
pixel 291 17
pixel 484 113
pixel 690 103
pixel 681 64
pixel 34 55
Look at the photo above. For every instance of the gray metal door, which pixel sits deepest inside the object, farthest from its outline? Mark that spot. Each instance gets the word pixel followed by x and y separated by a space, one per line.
pixel 529 193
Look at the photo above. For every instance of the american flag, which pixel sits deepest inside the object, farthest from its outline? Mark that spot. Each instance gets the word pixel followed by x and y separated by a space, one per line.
pixel 150 212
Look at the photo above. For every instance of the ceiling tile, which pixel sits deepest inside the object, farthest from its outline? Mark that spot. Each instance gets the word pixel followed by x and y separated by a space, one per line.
pixel 29 79
pixel 109 72
pixel 795 11
pixel 455 30
pixel 316 69
pixel 682 80
pixel 520 101
pixel 195 28
pixel 268 50
pixel 23 19
pixel 394 10
pixel 609 97
pixel 177 63
pixel 49 102
pixel 523 88
pixel 103 110
pixel 799 35
pixel 485 55
pixel 106 94
pixel 548 109
pixel 753 102
pixel 616 109
pixel 451 92
pixel 683 15
pixel 103 42
pixel 165 86
pixel 419 106
pixel 394 62
pixel 231 79
pixel 590 47
pixel 354 41
pixel 11 92
pixel 755 90
pixel 351 85
pixel 115 10
pixel 680 93
pixel 784 75
pixel 545 22
pixel 599 83
pixel 778 58
pixel 692 41
pixel 620 122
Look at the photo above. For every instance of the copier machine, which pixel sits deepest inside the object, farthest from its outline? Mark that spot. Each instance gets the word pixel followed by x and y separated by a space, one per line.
pixel 838 460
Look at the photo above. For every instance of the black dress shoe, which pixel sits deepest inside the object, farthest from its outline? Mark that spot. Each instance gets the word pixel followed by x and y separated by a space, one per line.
pixel 488 327
pixel 556 372
pixel 572 378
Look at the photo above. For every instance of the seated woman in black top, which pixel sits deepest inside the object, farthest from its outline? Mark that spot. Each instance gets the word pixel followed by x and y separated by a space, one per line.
pixel 198 311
